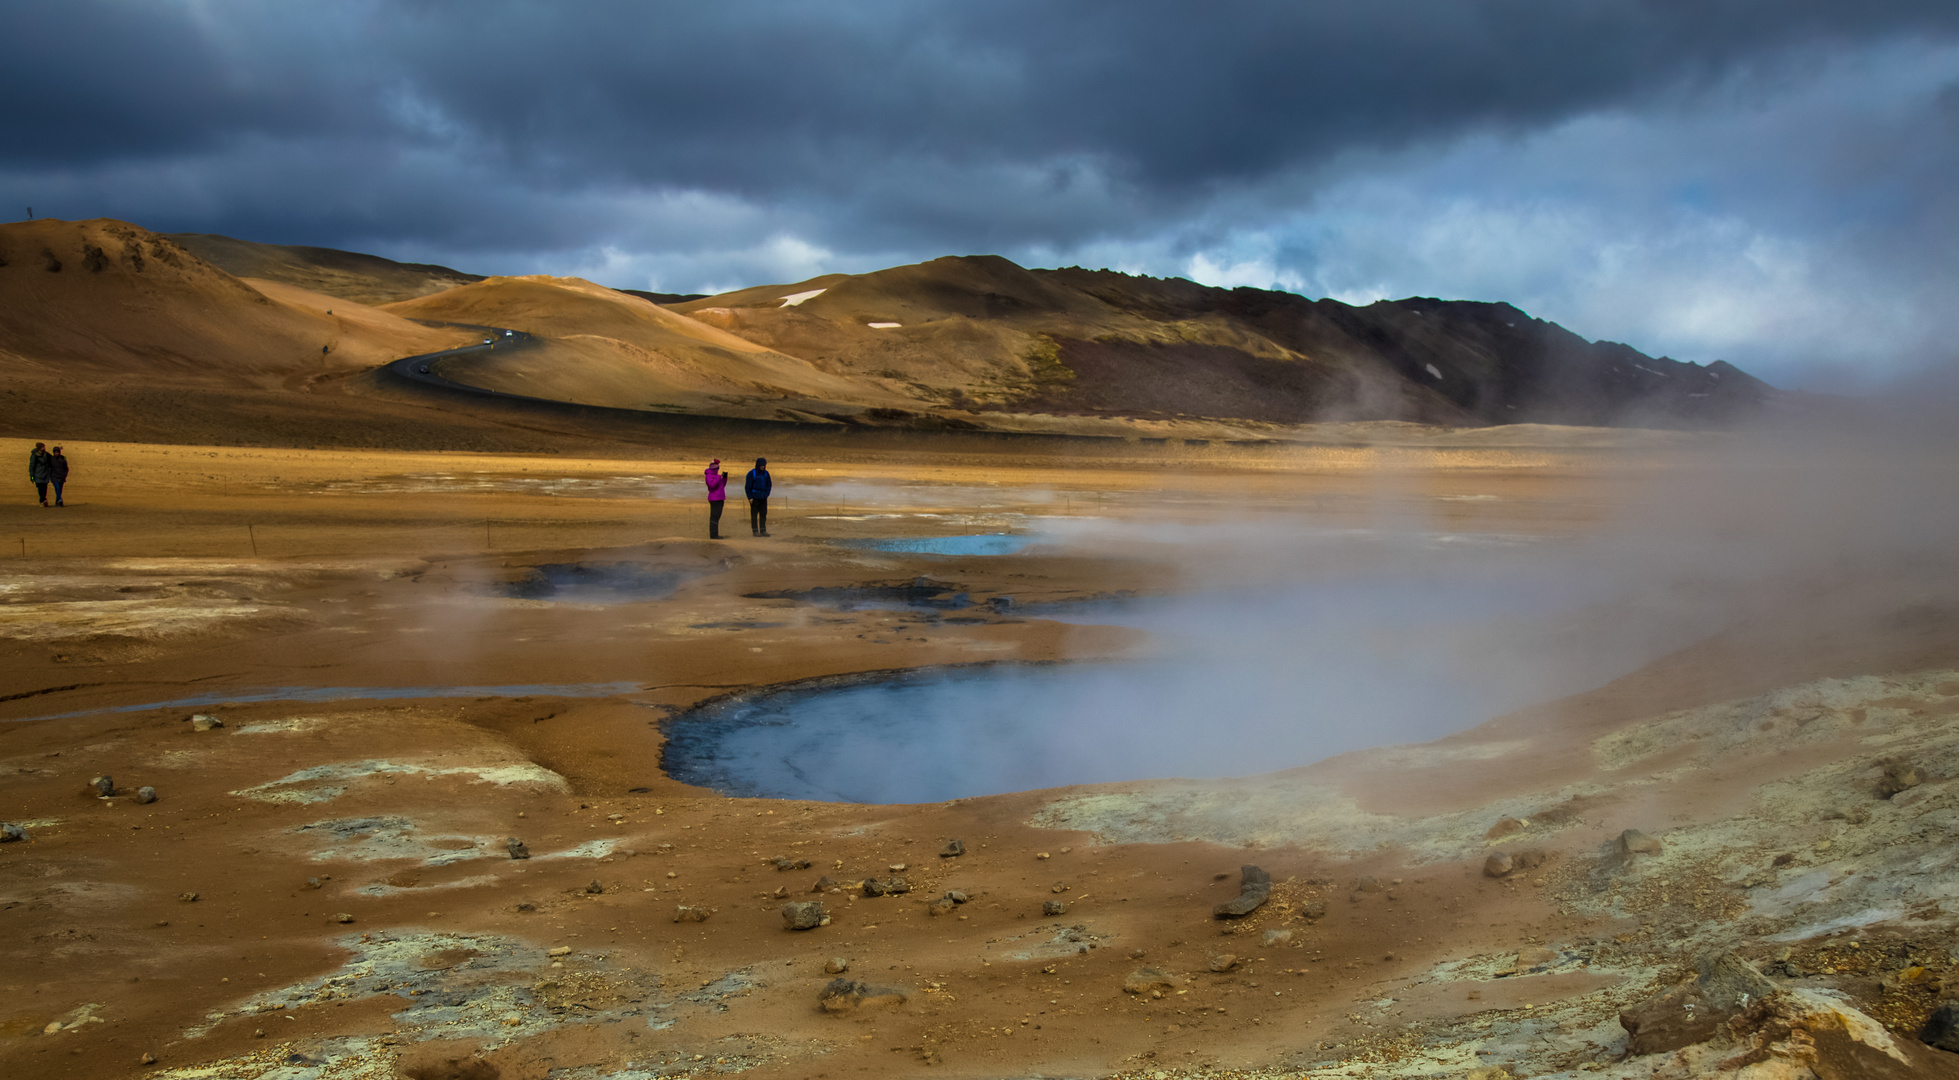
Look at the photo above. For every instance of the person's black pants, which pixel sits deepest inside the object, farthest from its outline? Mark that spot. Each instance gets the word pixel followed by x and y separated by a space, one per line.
pixel 57 490
pixel 758 515
pixel 41 487
pixel 714 508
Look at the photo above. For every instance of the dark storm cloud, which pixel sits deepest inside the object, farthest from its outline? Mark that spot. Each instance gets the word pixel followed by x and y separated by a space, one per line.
pixel 882 129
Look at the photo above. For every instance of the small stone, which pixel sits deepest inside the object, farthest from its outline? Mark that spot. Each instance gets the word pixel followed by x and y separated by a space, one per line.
pixel 1498 864
pixel 202 722
pixel 1505 826
pixel 1534 956
pixel 10 833
pixel 102 786
pixel 343 917
pixel 1369 885
pixel 897 868
pixel 258 1033
pixel 187 897
pixel 689 913
pixel 1223 962
pixel 957 897
pixel 148 1059
pixel 1314 910
pixel 804 915
pixel 1059 887
pixel 1054 907
pixel 517 848
pixel 1040 854
pixel 824 884
pixel 1144 980
pixel 1253 888
pixel 146 794
pixel 595 886
pixel 836 965
pixel 1898 776
pixel 1857 815
pixel 1633 842
pixel 952 849
pixel 1277 937
pixel 562 950
pixel 1488 1072
pixel 941 906
pixel 52 1027
pixel 1941 1029
pixel 526 906
pixel 842 995
pixel 784 862
pixel 889 886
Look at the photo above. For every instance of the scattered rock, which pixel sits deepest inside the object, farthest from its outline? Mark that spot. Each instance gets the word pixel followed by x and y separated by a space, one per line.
pixel 187 897
pixel 1059 887
pixel 562 950
pixel 957 897
pixel 102 786
pixel 804 915
pixel 1054 907
pixel 1898 776
pixel 311 883
pixel 1223 961
pixel 1314 910
pixel 1499 864
pixel 1941 1029
pixel 890 886
pixel 952 850
pixel 1254 886
pixel 842 995
pixel 1506 826
pixel 343 917
pixel 1148 980
pixel 824 884
pixel 517 848
pixel 689 913
pixel 595 886
pixel 897 868
pixel 526 906
pixel 202 722
pixel 146 794
pixel 10 833
pixel 1277 937
pixel 1040 854
pixel 148 1059
pixel 784 862
pixel 836 965
pixel 1692 1012
pixel 942 906
pixel 1369 884
pixel 1489 1072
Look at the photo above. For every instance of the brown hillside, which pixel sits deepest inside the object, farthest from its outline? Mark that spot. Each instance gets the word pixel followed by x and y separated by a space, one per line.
pixel 602 347
pixel 348 275
pixel 106 298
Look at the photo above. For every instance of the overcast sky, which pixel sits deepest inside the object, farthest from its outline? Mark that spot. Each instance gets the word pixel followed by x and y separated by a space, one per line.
pixel 1771 183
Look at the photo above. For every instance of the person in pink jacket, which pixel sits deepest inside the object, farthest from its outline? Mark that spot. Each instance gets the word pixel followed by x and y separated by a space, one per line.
pixel 717 496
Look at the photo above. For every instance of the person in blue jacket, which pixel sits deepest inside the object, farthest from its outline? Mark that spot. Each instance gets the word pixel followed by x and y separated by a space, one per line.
pixel 758 488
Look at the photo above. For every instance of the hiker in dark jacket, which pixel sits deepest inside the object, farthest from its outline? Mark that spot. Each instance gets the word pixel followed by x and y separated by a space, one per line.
pixel 758 487
pixel 40 467
pixel 57 473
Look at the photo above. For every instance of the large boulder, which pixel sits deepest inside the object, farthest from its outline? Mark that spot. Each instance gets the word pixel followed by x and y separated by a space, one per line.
pixel 804 915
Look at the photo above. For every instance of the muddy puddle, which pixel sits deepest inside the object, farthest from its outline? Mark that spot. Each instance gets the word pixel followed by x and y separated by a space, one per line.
pixel 354 693
pixel 594 583
pixel 921 594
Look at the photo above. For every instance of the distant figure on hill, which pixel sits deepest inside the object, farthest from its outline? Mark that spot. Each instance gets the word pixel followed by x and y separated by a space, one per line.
pixel 758 486
pixel 717 494
pixel 57 473
pixel 40 468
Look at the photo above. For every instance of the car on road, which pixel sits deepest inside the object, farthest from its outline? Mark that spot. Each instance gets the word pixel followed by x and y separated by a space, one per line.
pixel 424 369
